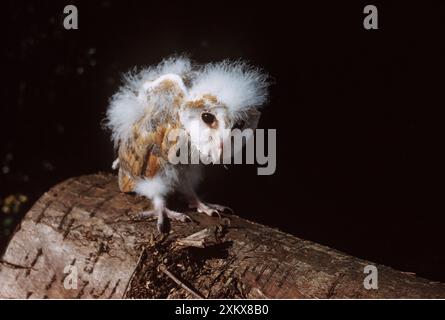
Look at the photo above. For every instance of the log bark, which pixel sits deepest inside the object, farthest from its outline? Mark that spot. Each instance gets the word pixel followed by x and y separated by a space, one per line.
pixel 84 230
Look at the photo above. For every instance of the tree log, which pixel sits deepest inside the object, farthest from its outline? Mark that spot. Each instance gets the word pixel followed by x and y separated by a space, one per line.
pixel 82 240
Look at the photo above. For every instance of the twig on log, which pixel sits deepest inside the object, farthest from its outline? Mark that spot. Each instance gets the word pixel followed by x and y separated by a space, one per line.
pixel 15 266
pixel 200 239
pixel 195 294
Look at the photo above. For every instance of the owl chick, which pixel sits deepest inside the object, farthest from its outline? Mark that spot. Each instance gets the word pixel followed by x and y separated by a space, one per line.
pixel 202 101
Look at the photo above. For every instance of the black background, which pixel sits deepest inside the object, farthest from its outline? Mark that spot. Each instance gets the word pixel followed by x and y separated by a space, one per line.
pixel 357 112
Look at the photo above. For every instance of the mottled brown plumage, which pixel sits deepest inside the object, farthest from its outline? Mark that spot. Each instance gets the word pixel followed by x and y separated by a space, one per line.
pixel 145 154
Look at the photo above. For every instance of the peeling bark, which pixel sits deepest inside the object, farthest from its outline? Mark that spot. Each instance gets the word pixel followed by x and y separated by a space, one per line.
pixel 85 224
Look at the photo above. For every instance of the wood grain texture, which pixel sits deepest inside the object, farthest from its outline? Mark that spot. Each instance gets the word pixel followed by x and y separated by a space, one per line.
pixel 87 223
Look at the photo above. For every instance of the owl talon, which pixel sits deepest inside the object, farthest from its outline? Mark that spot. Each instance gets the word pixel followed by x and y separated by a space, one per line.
pixel 178 216
pixel 210 209
pixel 220 208
pixel 163 217
pixel 148 214
pixel 163 224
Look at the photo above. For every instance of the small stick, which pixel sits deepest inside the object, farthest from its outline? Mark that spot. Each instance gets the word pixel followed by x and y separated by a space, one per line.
pixel 15 266
pixel 198 239
pixel 163 268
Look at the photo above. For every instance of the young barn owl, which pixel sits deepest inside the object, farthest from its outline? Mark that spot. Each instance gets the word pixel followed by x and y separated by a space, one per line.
pixel 201 100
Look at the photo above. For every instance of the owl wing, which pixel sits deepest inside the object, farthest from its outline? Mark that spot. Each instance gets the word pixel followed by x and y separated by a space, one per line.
pixel 140 157
pixel 145 152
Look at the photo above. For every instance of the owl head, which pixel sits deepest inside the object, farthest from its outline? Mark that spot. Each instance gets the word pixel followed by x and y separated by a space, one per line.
pixel 222 96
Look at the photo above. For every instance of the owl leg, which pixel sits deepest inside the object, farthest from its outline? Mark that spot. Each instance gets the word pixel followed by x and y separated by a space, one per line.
pixel 163 214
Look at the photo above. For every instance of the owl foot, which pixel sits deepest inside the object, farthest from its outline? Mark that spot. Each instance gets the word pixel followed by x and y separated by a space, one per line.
pixel 209 208
pixel 163 216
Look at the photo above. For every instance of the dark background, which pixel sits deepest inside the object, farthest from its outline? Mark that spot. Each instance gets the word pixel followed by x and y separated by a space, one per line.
pixel 357 112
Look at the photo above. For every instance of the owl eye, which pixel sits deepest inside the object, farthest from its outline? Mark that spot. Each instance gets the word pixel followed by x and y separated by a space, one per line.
pixel 208 118
pixel 239 125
